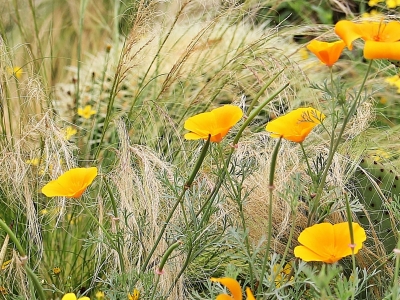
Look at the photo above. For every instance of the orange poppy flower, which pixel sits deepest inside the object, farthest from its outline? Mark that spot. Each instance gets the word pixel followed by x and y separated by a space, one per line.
pixel 71 184
pixel 296 125
pixel 234 288
pixel 329 243
pixel 215 123
pixel 328 53
pixel 382 40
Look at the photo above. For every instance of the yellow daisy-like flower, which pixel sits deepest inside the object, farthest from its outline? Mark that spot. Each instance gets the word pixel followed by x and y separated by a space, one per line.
pixel 327 53
pixel 71 184
pixel 56 270
pixel 72 296
pixel 392 3
pixel 86 112
pixel 296 125
pixel 215 123
pixel 234 288
pixel 329 243
pixel 15 71
pixel 283 274
pixel 372 14
pixel 135 295
pixel 69 132
pixel 33 162
pixel 392 80
pixel 99 295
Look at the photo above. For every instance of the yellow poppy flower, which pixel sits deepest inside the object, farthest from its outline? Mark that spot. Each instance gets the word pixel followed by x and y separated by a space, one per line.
pixel 234 288
pixel 215 123
pixel 381 39
pixel 296 125
pixel 71 184
pixel 86 112
pixel 328 53
pixel 329 243
pixel 72 296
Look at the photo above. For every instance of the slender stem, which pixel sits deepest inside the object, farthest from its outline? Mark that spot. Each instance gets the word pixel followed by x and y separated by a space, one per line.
pixel 257 111
pixel 13 237
pixel 396 269
pixel 352 245
pixel 308 164
pixel 178 201
pixel 333 147
pixel 36 283
pixel 263 89
pixel 22 253
pixel 269 234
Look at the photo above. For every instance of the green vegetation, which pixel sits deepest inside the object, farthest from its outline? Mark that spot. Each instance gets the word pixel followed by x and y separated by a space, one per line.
pixel 115 85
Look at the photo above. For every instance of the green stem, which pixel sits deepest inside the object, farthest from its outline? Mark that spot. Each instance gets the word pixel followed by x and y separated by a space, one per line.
pixel 308 164
pixel 271 189
pixel 13 237
pixel 250 118
pixel 263 89
pixel 396 270
pixel 333 147
pixel 257 111
pixel 36 283
pixel 22 253
pixel 352 245
pixel 178 201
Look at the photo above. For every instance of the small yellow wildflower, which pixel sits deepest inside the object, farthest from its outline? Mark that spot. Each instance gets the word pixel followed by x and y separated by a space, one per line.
pixel 135 295
pixel 3 290
pixel 86 112
pixel 72 296
pixel 303 53
pixel 383 100
pixel 372 14
pixel 100 295
pixel 392 79
pixel 69 132
pixel 374 2
pixel 15 71
pixel 380 154
pixel 33 162
pixel 56 270
pixel 282 276
pixel 392 3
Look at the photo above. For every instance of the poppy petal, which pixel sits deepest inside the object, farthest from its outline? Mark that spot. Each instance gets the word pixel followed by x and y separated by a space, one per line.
pixel 216 123
pixel 319 239
pixel 249 294
pixel 328 53
pixel 71 184
pixel 380 50
pixel 390 32
pixel 306 254
pixel 343 240
pixel 296 125
pixel 232 285
pixel 348 32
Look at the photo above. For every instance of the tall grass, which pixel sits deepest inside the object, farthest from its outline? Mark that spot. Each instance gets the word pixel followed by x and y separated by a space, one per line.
pixel 143 68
